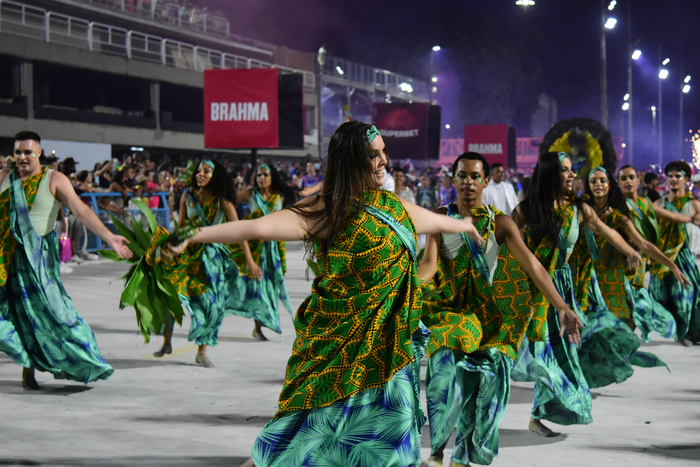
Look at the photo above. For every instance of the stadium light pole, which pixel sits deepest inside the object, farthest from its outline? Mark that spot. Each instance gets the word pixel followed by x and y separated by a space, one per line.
pixel 633 56
pixel 663 74
pixel 684 90
pixel 433 79
pixel 606 23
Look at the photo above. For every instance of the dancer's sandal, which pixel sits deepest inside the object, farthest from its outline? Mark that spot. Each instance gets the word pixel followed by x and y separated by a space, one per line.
pixel 166 349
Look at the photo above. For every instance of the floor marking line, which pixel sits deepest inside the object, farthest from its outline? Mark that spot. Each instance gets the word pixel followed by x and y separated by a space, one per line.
pixel 190 348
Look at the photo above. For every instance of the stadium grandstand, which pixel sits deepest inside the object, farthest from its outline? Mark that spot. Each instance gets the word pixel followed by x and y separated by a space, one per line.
pixel 128 73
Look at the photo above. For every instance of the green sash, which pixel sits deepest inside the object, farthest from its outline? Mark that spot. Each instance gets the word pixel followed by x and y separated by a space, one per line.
pixel 644 220
pixel 672 235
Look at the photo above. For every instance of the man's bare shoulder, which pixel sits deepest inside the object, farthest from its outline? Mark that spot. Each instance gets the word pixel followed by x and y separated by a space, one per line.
pixel 58 180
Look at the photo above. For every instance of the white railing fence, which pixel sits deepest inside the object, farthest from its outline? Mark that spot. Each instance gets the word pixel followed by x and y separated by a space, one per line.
pixel 28 21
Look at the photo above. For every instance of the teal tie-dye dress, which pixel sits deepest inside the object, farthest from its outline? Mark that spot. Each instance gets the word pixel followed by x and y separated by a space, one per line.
pixel 39 326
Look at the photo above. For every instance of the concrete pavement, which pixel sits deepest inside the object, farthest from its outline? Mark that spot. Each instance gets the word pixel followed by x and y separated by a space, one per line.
pixel 171 411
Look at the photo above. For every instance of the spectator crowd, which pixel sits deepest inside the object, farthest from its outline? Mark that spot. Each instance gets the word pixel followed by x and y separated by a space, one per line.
pixel 137 175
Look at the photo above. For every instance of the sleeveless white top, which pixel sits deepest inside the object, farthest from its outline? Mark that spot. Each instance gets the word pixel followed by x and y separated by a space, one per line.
pixel 451 244
pixel 45 209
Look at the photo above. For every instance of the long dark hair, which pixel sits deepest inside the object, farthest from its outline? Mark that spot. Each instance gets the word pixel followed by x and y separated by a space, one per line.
pixel 545 188
pixel 348 176
pixel 290 194
pixel 616 199
pixel 220 185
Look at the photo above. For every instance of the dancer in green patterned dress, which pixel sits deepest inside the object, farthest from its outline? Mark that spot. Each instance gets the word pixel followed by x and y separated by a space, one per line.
pixel 205 276
pixel 39 326
pixel 262 295
pixel 550 216
pixel 351 390
pixel 683 303
pixel 477 309
pixel 609 347
pixel 649 315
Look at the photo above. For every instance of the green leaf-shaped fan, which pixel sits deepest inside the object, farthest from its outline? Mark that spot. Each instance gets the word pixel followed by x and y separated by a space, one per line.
pixel 147 287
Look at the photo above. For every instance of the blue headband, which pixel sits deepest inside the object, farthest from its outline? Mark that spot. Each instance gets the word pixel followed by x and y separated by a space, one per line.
pixel 597 169
pixel 562 155
pixel 208 162
pixel 372 133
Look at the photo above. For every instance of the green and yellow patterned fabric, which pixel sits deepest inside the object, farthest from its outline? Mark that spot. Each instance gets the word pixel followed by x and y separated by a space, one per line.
pixel 649 315
pixel 206 278
pixel 466 313
pixel 187 273
pixel 262 297
pixel 672 235
pixel 7 240
pixel 274 203
pixel 354 330
pixel 682 302
pixel 643 217
pixel 610 270
pixel 549 255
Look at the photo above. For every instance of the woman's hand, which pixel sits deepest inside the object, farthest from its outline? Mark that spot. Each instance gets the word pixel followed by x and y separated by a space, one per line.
pixel 634 260
pixel 696 218
pixel 119 245
pixel 571 325
pixel 680 277
pixel 254 270
pixel 470 230
pixel 176 250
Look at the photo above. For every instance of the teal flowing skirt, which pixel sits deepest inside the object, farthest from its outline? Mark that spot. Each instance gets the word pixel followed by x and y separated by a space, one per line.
pixel 649 315
pixel 39 326
pixel 683 303
pixel 208 310
pixel 376 427
pixel 561 393
pixel 609 348
pixel 261 298
pixel 469 391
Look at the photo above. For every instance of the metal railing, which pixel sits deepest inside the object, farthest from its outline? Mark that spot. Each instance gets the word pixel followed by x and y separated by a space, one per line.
pixel 527 150
pixel 164 11
pixel 28 21
pixel 162 214
pixel 382 80
pixel 23 20
pixel 451 147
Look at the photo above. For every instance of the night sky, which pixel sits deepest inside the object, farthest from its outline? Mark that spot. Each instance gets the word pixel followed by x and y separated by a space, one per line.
pixel 556 42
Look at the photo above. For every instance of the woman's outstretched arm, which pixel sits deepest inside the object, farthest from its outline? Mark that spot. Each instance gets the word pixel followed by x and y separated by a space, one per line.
pixel 429 222
pixel 593 222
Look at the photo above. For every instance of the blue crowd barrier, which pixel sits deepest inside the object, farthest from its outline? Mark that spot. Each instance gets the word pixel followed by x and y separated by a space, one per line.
pixel 94 242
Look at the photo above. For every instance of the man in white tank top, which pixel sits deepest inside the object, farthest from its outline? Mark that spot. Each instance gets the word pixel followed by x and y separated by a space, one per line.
pixel 53 189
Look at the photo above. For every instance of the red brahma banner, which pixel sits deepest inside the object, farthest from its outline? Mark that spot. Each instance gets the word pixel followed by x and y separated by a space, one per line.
pixel 240 108
pixel 495 142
